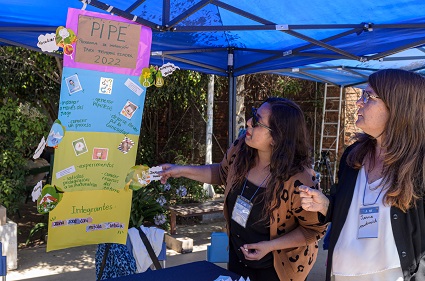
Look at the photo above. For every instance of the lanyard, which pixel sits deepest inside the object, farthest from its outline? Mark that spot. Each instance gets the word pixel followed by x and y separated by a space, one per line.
pixel 364 192
pixel 244 185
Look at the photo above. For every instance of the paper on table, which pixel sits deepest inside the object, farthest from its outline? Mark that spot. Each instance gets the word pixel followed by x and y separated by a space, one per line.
pixel 227 278
pixel 223 278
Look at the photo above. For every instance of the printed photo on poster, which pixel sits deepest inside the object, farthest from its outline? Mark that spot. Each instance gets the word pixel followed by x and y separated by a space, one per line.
pixel 105 86
pixel 80 146
pixel 73 84
pixel 129 109
pixel 100 153
pixel 125 145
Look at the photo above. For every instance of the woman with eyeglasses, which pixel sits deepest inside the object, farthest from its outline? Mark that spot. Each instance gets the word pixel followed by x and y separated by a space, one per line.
pixel 271 237
pixel 377 210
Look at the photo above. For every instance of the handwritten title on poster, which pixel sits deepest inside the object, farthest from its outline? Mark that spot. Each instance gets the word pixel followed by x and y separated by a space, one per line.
pixel 107 42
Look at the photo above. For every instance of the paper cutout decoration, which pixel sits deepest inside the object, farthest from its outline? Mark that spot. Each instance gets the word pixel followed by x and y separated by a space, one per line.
pixel 151 76
pixel 40 148
pixel 168 69
pixel 141 175
pixel 49 199
pixel 47 43
pixel 36 192
pixel 65 37
pixel 56 134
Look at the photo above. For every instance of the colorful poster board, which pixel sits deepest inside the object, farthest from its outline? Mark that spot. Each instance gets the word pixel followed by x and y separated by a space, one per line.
pixel 100 109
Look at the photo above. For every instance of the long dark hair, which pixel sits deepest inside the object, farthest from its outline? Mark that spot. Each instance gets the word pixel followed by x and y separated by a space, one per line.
pixel 290 153
pixel 403 92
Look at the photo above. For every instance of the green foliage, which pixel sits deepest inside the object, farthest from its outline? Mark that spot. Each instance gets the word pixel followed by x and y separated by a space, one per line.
pixel 180 104
pixel 145 206
pixel 21 128
pixel 290 86
pixel 39 227
pixel 31 76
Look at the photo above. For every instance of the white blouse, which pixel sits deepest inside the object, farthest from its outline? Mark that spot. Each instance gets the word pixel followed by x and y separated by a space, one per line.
pixel 366 258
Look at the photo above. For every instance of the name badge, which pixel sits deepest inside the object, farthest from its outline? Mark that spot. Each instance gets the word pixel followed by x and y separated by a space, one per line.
pixel 241 210
pixel 368 222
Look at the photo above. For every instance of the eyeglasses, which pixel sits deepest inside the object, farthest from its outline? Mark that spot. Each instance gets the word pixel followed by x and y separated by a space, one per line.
pixel 255 122
pixel 366 95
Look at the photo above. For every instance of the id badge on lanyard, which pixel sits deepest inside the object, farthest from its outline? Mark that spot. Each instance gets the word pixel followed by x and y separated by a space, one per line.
pixel 241 210
pixel 368 222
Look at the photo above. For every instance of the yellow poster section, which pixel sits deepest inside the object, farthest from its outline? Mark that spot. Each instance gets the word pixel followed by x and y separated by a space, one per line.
pixel 95 206
pixel 88 217
pixel 93 161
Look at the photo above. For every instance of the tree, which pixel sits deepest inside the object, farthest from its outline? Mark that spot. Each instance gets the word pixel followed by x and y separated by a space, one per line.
pixel 32 77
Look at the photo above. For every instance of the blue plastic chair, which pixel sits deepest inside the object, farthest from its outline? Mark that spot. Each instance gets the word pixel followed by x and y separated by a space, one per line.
pixel 3 264
pixel 218 251
pixel 162 257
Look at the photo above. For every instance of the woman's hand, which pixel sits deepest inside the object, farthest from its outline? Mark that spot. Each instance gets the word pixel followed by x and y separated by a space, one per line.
pixel 169 171
pixel 313 200
pixel 256 251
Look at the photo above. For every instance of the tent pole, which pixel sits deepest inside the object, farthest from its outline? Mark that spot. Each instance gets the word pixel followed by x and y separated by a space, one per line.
pixel 208 188
pixel 232 97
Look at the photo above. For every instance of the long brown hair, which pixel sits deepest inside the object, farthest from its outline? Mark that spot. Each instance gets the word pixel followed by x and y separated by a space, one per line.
pixel 403 92
pixel 290 153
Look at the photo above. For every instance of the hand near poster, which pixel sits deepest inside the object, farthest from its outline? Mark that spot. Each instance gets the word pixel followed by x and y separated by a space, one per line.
pixel 141 175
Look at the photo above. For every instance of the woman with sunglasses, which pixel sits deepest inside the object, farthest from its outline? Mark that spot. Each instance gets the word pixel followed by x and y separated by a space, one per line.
pixel 377 210
pixel 271 237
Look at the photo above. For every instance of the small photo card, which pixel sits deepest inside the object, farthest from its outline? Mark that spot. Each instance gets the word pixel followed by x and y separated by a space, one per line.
pixel 100 153
pixel 79 146
pixel 105 86
pixel 125 145
pixel 129 109
pixel 73 84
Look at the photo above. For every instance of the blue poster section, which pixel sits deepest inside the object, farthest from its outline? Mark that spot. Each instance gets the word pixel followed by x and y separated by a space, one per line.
pixel 94 101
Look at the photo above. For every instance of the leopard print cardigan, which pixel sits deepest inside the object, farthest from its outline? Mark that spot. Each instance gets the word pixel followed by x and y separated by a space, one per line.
pixel 290 264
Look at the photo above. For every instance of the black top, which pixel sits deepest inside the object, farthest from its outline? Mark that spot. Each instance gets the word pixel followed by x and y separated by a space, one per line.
pixel 255 230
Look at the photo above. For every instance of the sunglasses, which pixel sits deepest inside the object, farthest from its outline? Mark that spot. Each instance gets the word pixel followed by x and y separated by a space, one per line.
pixel 255 122
pixel 366 95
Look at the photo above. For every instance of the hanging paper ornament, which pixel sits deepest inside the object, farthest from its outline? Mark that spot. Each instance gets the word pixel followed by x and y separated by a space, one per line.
pixel 65 37
pixel 68 49
pixel 47 42
pixel 145 78
pixel 168 69
pixel 140 176
pixel 159 81
pixel 49 199
pixel 56 134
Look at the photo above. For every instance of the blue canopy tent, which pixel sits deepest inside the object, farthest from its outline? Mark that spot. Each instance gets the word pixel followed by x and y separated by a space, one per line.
pixel 338 41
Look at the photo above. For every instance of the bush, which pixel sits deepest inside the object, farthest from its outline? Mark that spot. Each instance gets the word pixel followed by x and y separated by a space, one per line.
pixel 21 128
